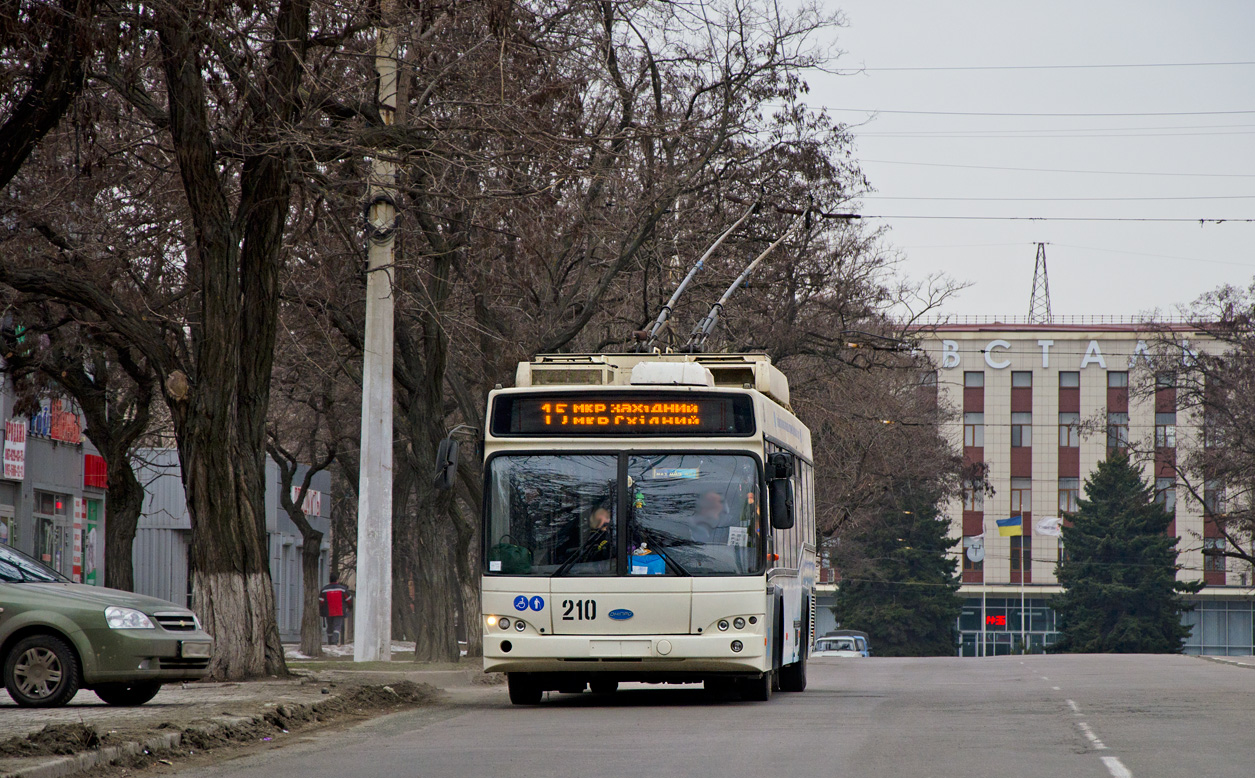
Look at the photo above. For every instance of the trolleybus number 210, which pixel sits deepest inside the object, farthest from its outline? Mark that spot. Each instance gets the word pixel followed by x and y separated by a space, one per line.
pixel 579 610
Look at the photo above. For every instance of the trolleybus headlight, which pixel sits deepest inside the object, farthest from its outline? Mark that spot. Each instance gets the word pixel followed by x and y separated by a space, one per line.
pixel 519 626
pixel 504 622
pixel 738 622
pixel 723 625
pixel 492 621
pixel 737 646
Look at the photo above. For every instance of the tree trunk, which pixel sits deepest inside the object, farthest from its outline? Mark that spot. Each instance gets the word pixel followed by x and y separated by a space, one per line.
pixel 231 585
pixel 126 500
pixel 311 624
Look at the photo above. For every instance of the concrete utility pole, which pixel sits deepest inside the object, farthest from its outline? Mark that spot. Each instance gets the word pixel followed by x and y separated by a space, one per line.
pixel 372 619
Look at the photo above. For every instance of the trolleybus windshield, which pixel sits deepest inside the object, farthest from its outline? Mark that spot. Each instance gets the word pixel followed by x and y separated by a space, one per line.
pixel 561 514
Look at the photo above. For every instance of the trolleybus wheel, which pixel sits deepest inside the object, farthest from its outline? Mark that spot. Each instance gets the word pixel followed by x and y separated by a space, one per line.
pixel 757 689
pixel 523 689
pixel 603 687
pixel 793 677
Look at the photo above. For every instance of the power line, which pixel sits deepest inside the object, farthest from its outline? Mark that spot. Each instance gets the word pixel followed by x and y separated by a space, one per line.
pixel 1184 220
pixel 1004 134
pixel 1003 113
pixel 1099 66
pixel 1055 199
pixel 1057 170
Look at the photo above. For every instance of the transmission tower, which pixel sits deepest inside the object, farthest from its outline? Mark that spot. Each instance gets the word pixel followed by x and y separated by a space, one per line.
pixel 1039 304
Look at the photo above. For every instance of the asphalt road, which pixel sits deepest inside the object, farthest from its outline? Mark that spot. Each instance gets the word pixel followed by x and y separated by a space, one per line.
pixel 1030 717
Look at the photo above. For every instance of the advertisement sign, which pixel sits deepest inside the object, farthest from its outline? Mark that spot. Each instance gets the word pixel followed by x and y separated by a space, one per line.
pixel 76 559
pixel 91 543
pixel 15 449
pixel 312 505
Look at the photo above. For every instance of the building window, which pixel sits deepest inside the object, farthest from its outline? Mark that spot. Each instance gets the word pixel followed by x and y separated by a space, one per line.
pixel 50 504
pixel 1021 430
pixel 1213 562
pixel 1069 430
pixel 1021 378
pixel 1117 430
pixel 1069 493
pixel 1166 494
pixel 1069 379
pixel 1021 550
pixel 976 542
pixel 974 430
pixel 1165 380
pixel 974 379
pixel 1213 498
pixel 928 379
pixel 1021 496
pixel 1064 555
pixel 973 496
pixel 1117 379
pixel 1165 430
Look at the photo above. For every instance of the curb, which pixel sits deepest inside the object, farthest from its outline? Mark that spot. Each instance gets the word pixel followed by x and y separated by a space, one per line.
pixel 74 764
pixel 1220 660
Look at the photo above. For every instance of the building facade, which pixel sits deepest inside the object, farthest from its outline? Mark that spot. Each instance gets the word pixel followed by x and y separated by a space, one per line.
pixel 1040 405
pixel 52 489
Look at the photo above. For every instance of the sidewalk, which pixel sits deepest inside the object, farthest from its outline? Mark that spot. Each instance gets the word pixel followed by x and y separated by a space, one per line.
pixel 198 715
pixel 1236 661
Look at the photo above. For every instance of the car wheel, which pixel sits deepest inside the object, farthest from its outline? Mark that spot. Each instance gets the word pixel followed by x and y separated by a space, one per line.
pixel 41 672
pixel 524 690
pixel 127 694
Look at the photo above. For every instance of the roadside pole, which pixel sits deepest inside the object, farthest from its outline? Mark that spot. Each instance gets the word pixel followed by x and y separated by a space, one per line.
pixel 372 618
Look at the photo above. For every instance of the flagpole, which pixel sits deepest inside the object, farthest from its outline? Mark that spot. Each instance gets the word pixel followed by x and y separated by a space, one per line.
pixel 1023 638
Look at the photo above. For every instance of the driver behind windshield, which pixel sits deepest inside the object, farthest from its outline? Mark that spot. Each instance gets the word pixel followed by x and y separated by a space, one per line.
pixel 710 522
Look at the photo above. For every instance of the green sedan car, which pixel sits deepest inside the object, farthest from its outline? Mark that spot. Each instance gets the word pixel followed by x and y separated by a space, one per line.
pixel 57 637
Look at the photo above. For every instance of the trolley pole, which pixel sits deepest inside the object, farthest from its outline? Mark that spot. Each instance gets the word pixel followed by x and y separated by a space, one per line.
pixel 372 618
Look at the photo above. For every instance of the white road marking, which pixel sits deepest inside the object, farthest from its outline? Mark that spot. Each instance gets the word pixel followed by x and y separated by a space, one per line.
pixel 1072 705
pixel 1090 736
pixel 1044 678
pixel 1116 767
pixel 1056 688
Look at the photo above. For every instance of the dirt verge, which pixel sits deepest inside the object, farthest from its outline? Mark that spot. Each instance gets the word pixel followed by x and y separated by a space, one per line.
pixel 120 748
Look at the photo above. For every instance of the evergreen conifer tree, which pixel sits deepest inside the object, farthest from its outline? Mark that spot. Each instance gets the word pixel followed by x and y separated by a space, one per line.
pixel 898 582
pixel 1120 593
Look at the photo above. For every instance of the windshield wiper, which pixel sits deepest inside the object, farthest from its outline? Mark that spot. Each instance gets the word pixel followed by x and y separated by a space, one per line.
pixel 652 539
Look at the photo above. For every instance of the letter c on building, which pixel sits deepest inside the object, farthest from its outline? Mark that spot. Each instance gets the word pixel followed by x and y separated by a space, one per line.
pixel 989 353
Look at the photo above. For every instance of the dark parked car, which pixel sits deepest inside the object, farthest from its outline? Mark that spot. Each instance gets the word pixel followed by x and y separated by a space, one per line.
pixel 57 637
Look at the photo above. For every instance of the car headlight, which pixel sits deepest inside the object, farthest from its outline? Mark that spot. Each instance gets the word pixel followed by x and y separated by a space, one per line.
pixel 127 618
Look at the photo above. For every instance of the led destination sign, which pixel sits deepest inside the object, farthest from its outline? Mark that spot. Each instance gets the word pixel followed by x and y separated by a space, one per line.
pixel 622 413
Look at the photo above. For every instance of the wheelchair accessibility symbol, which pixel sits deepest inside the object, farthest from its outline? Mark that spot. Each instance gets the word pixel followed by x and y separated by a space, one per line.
pixel 520 603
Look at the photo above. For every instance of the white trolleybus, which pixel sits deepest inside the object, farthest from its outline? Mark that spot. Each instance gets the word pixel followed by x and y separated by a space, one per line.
pixel 647 517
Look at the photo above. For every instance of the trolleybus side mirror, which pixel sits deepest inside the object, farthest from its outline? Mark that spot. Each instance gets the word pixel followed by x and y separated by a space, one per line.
pixel 446 464
pixel 780 490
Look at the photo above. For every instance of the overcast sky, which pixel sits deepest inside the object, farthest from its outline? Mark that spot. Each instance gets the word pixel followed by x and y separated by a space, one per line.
pixel 1198 163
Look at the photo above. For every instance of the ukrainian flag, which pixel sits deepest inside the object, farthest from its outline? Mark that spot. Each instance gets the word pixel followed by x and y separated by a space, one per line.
pixel 1011 527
